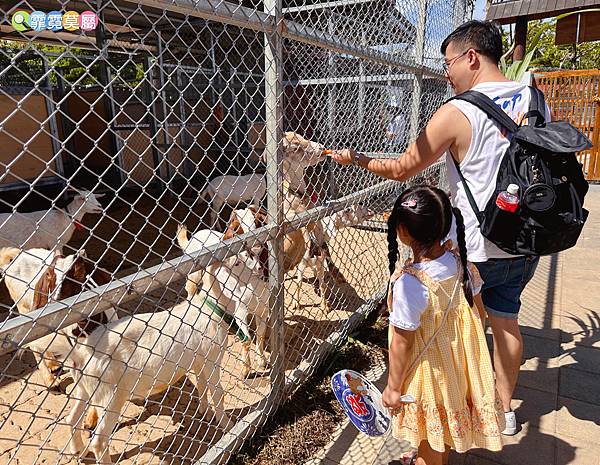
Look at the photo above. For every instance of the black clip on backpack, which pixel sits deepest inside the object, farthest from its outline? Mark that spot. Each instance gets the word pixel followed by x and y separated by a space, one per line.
pixel 541 160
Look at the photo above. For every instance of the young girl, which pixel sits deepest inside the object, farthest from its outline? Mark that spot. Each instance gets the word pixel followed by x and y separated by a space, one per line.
pixel 438 351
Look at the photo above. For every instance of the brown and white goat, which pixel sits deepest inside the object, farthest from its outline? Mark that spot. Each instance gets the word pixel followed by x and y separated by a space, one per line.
pixel 34 277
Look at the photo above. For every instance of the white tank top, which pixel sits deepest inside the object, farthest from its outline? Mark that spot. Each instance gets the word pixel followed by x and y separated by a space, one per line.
pixel 482 160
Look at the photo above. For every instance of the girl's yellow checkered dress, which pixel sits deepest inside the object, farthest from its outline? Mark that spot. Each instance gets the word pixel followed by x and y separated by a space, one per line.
pixel 453 381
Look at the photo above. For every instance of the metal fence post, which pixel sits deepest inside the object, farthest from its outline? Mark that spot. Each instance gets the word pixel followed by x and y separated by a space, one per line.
pixel 52 123
pixel 105 79
pixel 148 95
pixel 418 76
pixel 273 156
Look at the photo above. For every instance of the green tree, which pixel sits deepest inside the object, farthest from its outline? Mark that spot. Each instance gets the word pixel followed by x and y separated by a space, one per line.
pixel 23 63
pixel 548 55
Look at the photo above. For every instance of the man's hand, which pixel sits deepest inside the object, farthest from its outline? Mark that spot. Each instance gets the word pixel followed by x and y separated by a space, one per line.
pixel 391 398
pixel 343 157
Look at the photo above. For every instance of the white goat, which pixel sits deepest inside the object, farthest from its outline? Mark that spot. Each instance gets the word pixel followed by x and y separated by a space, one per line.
pixel 236 284
pixel 48 229
pixel 299 153
pixel 201 238
pixel 233 190
pixel 140 355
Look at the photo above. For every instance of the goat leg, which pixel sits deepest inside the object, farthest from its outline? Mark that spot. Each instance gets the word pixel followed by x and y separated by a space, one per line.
pixel 320 268
pixel 246 346
pixel 333 270
pixel 217 394
pixel 260 359
pixel 199 380
pixel 91 417
pixel 99 444
pixel 75 420
pixel 299 273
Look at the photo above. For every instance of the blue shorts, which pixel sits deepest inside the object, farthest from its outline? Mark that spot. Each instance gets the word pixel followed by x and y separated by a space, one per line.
pixel 503 282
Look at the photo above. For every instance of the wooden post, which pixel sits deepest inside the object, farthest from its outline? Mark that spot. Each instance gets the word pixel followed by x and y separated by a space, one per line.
pixel 594 166
pixel 520 38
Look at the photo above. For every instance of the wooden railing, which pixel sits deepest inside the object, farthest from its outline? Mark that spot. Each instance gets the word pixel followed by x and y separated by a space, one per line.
pixel 574 96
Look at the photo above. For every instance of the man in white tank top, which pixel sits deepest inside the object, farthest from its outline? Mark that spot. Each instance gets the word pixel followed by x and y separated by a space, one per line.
pixel 460 130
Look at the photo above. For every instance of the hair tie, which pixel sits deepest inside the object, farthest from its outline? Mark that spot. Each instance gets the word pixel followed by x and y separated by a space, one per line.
pixel 411 203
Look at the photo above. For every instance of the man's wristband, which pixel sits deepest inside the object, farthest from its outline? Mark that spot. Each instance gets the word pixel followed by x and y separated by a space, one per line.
pixel 356 159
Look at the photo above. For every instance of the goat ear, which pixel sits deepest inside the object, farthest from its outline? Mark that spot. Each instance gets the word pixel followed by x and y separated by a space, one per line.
pixel 78 271
pixel 99 196
pixel 260 218
pixel 44 287
pixel 234 227
pixel 8 254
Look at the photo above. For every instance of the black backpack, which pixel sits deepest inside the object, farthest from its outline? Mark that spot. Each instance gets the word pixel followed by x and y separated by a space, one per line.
pixel 541 160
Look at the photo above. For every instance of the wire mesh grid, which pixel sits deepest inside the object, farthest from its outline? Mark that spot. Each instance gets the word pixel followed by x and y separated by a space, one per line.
pixel 177 253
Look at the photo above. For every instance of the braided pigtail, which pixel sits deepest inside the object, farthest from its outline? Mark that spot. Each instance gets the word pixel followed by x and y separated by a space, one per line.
pixel 392 241
pixel 462 248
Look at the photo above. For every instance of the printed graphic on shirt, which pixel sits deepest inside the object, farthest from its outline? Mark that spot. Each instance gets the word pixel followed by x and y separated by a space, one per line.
pixel 508 105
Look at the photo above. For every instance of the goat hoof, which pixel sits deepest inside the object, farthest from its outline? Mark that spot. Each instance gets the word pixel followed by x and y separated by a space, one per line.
pixel 57 388
pixel 77 448
pixel 57 371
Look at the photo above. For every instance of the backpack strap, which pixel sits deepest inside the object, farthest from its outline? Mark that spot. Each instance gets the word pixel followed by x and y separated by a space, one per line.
pixel 470 198
pixel 487 105
pixel 536 115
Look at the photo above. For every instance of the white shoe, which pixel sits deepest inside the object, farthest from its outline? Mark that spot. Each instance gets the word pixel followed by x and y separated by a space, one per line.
pixel 511 424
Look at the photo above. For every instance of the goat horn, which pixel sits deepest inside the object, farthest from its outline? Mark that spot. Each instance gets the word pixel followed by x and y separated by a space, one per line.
pixel 74 189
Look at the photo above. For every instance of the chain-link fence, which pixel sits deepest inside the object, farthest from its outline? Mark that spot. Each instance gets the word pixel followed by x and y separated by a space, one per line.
pixel 178 254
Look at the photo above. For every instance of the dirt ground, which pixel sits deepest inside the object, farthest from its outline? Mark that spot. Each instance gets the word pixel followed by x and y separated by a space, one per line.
pixel 138 232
